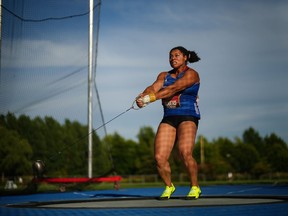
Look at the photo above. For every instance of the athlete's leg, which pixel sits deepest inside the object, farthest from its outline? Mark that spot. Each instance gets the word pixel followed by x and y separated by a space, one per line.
pixel 186 133
pixel 164 142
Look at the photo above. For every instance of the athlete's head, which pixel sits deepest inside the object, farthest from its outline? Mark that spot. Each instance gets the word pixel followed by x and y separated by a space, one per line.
pixel 190 56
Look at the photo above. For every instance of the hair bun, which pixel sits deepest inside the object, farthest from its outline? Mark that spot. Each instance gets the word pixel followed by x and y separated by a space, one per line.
pixel 193 57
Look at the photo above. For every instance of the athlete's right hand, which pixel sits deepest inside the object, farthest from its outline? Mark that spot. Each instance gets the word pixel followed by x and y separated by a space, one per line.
pixel 139 101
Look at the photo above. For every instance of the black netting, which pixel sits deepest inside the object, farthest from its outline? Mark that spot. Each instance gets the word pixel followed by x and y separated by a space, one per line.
pixel 44 59
pixel 44 62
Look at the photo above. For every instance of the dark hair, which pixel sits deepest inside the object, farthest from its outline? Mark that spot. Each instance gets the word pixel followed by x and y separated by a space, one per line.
pixel 191 55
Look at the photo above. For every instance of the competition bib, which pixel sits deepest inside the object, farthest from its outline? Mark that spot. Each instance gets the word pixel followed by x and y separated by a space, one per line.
pixel 172 102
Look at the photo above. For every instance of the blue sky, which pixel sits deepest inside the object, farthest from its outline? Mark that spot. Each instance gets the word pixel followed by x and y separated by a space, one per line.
pixel 244 51
pixel 243 69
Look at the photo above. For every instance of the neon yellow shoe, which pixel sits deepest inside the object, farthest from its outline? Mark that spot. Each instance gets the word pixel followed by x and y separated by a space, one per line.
pixel 194 193
pixel 167 192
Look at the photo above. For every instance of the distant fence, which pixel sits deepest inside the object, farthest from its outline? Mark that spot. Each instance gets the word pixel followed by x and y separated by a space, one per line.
pixel 182 177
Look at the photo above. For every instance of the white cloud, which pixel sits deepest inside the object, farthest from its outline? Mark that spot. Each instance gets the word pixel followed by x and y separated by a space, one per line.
pixel 239 50
pixel 45 53
pixel 243 48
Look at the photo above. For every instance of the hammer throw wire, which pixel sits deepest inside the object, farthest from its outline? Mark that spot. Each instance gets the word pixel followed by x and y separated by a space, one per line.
pixel 120 114
pixel 132 107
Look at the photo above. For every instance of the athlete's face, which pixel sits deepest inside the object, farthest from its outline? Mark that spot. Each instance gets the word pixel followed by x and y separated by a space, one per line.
pixel 177 58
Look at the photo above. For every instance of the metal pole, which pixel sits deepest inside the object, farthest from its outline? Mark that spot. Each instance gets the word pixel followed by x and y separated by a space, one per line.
pixel 0 39
pixel 95 60
pixel 202 150
pixel 90 82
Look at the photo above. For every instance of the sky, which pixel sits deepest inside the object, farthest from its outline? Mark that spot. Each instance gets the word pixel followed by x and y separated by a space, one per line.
pixel 243 69
pixel 243 48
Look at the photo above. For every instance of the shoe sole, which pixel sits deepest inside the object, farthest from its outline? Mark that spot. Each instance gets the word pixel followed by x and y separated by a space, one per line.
pixel 166 198
pixel 192 198
pixel 163 198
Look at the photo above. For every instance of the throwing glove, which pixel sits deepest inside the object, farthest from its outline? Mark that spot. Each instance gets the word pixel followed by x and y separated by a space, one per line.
pixel 149 98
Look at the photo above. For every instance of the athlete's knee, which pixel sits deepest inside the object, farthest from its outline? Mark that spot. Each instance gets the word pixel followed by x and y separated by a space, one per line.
pixel 160 159
pixel 186 155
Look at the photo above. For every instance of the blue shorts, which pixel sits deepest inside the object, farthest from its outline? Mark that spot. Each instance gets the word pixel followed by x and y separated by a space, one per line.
pixel 175 121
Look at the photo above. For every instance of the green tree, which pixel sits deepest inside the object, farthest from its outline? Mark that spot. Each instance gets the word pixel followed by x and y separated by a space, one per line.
pixel 15 154
pixel 246 156
pixel 276 153
pixel 145 151
pixel 74 148
pixel 205 165
pixel 54 148
pixel 260 168
pixel 32 131
pixel 63 148
pixel 123 153
pixel 227 156
pixel 37 138
pixel 102 157
pixel 11 122
pixel 252 137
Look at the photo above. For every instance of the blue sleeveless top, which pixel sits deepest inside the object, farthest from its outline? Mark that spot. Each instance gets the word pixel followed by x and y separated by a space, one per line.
pixel 183 102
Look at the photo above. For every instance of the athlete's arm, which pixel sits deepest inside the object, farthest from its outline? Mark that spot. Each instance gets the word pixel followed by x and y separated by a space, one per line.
pixel 152 89
pixel 189 78
pixel 157 85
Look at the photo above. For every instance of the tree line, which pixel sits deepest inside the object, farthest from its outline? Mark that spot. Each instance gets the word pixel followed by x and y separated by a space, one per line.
pixel 63 149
